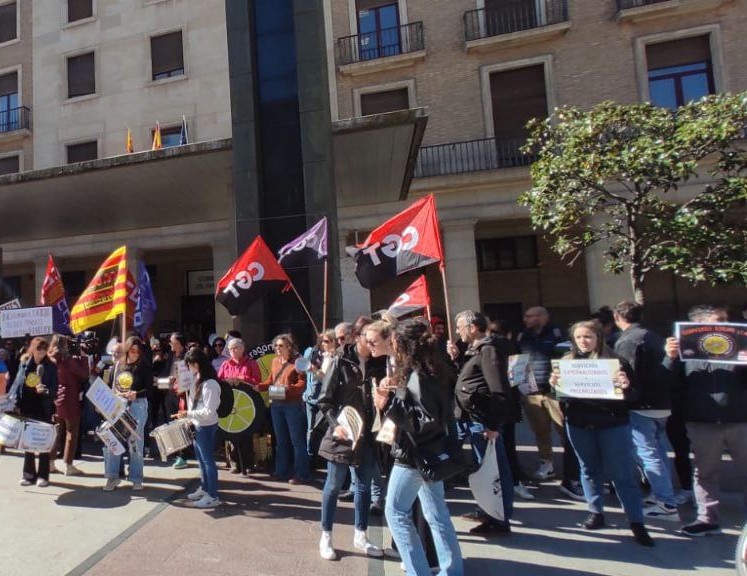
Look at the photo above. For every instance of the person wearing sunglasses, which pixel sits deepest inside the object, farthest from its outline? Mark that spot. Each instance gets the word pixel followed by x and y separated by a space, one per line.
pixel 219 352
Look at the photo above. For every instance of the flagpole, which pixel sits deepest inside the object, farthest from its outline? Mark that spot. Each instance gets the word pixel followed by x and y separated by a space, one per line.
pixel 446 299
pixel 316 330
pixel 326 289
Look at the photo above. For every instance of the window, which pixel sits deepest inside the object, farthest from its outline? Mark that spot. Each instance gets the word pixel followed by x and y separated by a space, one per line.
pixel 679 71
pixel 8 22
pixel 378 28
pixel 166 55
pixel 79 10
pixel 381 102
pixel 169 136
pixel 10 117
pixel 82 152
pixel 517 96
pixel 81 75
pixel 10 165
pixel 10 288
pixel 507 253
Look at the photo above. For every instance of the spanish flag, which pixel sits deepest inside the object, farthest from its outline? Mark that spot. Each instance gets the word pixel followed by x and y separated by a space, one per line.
pixel 130 147
pixel 157 138
pixel 106 295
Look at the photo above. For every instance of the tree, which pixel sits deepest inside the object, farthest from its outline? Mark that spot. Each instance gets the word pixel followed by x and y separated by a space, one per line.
pixel 663 189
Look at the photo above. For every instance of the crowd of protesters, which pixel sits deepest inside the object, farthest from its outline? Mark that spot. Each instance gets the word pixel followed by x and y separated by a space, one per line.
pixel 414 383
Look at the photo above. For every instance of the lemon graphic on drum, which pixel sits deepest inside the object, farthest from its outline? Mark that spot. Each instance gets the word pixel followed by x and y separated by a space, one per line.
pixel 124 380
pixel 247 415
pixel 32 380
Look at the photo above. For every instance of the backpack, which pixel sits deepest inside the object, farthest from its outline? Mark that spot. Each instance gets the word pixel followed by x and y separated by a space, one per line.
pixel 226 399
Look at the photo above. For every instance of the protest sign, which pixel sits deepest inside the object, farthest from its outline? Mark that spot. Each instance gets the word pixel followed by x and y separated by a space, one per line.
pixel 520 374
pixel 17 322
pixel 11 304
pixel 720 343
pixel 586 378
pixel 105 400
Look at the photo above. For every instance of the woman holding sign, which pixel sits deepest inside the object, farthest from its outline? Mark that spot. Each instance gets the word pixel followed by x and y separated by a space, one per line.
pixel 599 430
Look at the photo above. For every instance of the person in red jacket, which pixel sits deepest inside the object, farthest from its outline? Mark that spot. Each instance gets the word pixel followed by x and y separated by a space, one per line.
pixel 72 373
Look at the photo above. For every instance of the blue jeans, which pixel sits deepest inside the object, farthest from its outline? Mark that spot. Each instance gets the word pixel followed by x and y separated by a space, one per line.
pixel 651 446
pixel 607 453
pixel 336 474
pixel 289 426
pixel 139 411
pixel 205 450
pixel 311 412
pixel 405 485
pixel 479 445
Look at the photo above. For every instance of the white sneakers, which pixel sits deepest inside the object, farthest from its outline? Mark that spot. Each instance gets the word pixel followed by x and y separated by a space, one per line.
pixel 71 470
pixel 661 511
pixel 196 495
pixel 544 471
pixel 326 551
pixel 523 492
pixel 361 542
pixel 207 501
pixel 111 484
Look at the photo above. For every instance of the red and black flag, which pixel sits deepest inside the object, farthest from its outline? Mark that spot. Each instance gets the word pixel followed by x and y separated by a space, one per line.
pixel 408 241
pixel 253 275
pixel 411 300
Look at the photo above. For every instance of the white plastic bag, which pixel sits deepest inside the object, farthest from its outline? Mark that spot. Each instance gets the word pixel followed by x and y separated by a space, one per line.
pixel 486 484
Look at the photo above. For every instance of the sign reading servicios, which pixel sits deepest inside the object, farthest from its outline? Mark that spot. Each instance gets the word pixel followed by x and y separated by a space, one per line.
pixel 22 321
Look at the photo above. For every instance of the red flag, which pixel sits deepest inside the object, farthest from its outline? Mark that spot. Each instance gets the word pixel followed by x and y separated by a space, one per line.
pixel 253 275
pixel 411 300
pixel 408 241
pixel 53 294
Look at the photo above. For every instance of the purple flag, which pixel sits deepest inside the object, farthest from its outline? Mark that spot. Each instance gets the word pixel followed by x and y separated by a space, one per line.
pixel 145 310
pixel 308 248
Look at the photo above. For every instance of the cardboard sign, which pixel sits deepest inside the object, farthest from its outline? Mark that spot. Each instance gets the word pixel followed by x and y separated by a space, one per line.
pixel 520 374
pixel 105 400
pixel 184 377
pixel 719 343
pixel 11 304
pixel 16 323
pixel 586 378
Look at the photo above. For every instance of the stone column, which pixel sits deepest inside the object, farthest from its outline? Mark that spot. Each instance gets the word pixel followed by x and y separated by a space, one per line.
pixel 40 270
pixel 356 300
pixel 461 265
pixel 222 260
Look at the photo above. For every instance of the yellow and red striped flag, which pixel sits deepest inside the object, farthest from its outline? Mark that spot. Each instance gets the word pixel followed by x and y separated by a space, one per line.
pixel 129 145
pixel 157 138
pixel 106 295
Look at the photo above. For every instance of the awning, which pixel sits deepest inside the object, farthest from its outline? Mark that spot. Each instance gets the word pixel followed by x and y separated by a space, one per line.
pixel 375 156
pixel 172 186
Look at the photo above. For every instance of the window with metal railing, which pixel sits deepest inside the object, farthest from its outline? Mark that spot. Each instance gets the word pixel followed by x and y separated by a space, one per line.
pixel 380 43
pixel 470 156
pixel 626 4
pixel 510 16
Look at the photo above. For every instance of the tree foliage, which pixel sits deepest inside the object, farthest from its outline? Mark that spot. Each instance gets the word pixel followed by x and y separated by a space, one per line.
pixel 663 189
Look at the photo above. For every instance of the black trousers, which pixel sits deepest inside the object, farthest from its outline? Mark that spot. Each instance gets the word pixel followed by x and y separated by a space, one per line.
pixel 677 433
pixel 242 454
pixel 30 470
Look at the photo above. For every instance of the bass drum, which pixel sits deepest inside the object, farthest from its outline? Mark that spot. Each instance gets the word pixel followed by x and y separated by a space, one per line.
pixel 246 417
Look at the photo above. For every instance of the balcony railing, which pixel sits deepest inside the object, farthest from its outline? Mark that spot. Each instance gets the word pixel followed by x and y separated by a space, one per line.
pixel 626 4
pixel 514 17
pixel 470 156
pixel 380 43
pixel 15 119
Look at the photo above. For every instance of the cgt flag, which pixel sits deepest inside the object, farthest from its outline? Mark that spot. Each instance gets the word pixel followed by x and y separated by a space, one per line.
pixel 106 295
pixel 311 246
pixel 411 300
pixel 145 307
pixel 53 294
pixel 253 275
pixel 408 241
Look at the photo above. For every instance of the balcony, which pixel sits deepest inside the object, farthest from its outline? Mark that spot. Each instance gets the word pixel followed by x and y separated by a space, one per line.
pixel 470 156
pixel 15 120
pixel 383 49
pixel 641 10
pixel 519 23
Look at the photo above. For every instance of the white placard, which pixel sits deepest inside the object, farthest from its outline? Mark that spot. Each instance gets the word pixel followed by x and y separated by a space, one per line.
pixel 14 304
pixel 10 431
pixel 16 323
pixel 110 440
pixel 184 377
pixel 520 374
pixel 586 378
pixel 105 400
pixel 38 437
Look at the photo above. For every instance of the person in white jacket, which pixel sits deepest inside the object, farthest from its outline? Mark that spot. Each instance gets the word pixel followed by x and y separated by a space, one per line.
pixel 203 400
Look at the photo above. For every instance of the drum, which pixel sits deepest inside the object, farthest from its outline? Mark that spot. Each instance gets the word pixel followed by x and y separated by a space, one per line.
pixel 172 437
pixel 112 438
pixel 11 429
pixel 37 437
pixel 247 415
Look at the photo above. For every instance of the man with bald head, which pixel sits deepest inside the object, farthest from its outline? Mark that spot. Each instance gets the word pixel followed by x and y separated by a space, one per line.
pixel 538 341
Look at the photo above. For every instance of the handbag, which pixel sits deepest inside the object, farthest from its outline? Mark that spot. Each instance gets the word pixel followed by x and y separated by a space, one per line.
pixel 439 461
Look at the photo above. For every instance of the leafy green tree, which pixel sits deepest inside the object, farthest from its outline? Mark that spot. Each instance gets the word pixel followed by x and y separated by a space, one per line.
pixel 663 189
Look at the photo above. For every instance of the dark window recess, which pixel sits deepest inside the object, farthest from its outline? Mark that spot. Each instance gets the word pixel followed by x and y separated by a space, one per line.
pixel 10 287
pixel 79 9
pixel 679 71
pixel 167 56
pixel 82 152
pixel 81 75
pixel 507 253
pixel 518 95
pixel 8 21
pixel 381 102
pixel 74 282
pixel 169 136
pixel 9 165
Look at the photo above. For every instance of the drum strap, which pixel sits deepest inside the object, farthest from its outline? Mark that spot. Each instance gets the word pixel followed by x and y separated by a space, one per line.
pixel 279 374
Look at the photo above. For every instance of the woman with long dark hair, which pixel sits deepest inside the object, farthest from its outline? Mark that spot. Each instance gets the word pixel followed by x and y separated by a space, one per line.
pixel 600 433
pixel 417 399
pixel 203 400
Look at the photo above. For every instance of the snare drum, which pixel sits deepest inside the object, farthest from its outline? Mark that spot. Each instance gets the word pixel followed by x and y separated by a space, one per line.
pixel 11 429
pixel 38 437
pixel 112 438
pixel 172 437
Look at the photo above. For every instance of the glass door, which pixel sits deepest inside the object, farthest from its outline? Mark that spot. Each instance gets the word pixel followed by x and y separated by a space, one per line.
pixel 378 30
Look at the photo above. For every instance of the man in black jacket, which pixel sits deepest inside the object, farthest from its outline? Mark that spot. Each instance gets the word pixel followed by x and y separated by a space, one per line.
pixel 715 398
pixel 643 349
pixel 483 396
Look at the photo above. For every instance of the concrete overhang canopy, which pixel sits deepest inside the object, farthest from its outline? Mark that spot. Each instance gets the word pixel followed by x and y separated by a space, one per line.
pixel 375 156
pixel 172 186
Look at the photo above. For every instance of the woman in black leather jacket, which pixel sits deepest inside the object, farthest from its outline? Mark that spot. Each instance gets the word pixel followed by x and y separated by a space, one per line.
pixel 417 399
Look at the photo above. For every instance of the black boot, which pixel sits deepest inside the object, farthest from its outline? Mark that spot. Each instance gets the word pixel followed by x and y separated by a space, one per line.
pixel 641 534
pixel 594 521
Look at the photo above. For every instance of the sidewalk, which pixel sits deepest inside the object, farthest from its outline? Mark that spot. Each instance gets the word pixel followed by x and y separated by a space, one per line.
pixel 267 528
